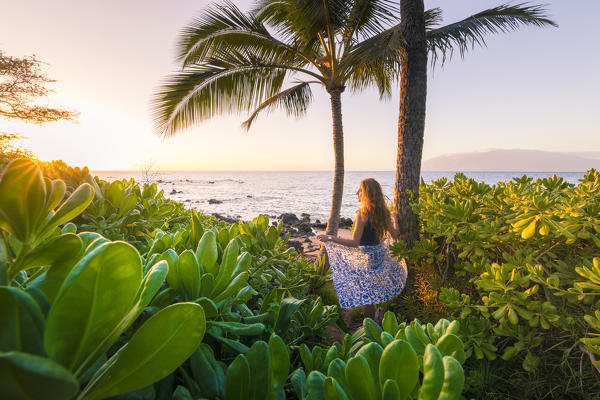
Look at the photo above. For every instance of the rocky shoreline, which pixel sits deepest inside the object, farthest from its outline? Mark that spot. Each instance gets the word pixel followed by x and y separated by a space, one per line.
pixel 301 229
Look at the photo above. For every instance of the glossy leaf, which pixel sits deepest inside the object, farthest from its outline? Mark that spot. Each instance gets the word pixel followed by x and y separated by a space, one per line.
pixel 238 379
pixel 93 300
pixel 399 363
pixel 21 322
pixel 155 350
pixel 30 377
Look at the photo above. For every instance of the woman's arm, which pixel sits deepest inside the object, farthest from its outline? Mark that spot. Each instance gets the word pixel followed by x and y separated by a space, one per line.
pixel 359 227
pixel 393 227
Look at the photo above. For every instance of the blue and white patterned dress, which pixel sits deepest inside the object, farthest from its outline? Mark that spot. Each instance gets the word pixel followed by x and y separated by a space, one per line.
pixel 365 274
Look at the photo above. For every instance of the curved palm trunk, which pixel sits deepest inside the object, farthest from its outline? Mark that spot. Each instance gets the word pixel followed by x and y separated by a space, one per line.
pixel 338 150
pixel 411 121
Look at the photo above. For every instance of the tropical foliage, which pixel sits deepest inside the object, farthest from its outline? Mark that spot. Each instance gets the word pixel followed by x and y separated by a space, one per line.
pixel 517 265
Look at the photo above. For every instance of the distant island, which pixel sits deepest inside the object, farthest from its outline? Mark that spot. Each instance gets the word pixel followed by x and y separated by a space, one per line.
pixel 515 160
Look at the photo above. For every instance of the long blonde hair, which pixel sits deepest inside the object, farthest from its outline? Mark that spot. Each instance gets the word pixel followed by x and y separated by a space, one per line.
pixel 373 206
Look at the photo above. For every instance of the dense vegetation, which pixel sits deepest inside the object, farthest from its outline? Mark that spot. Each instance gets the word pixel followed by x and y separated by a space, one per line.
pixel 110 289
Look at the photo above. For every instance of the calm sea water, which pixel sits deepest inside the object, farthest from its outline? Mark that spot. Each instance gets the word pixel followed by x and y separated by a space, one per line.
pixel 245 194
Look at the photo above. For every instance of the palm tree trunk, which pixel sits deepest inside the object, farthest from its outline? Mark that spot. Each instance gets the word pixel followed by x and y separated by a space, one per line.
pixel 338 151
pixel 411 121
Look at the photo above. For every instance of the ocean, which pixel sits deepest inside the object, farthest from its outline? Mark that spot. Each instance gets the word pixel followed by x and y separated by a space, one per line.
pixel 246 194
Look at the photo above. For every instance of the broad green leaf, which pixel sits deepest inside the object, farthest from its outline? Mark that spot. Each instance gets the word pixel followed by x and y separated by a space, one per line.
pixel 243 263
pixel 114 192
pixel 127 204
pixel 333 390
pixel 238 328
pixel 233 287
pixel 30 377
pixel 207 372
pixel 287 309
pixel 55 276
pixel 451 345
pixel 182 393
pixel 72 207
pixel 189 275
pixel 171 257
pixel 314 385
pixel 360 380
pixel 93 300
pixel 155 350
pixel 55 192
pixel 433 374
pixel 259 360
pixel 279 365
pixel 372 354
pixel 152 281
pixel 237 386
pixel 454 379
pixel 22 209
pixel 390 391
pixel 21 322
pixel 390 323
pixel 210 308
pixel 225 273
pixel 399 363
pixel 40 299
pixel 56 249
pixel 298 379
pixel 207 252
pixel 207 283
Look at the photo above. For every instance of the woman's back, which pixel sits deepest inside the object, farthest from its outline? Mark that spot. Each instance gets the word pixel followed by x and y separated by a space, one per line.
pixel 369 236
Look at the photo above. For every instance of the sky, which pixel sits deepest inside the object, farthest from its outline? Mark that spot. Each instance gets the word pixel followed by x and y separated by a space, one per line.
pixel 531 89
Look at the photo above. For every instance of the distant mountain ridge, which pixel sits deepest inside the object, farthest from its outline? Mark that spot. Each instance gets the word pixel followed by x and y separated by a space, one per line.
pixel 517 160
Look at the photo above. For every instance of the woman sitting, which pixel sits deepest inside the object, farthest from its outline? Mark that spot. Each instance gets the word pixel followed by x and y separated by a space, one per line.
pixel 362 269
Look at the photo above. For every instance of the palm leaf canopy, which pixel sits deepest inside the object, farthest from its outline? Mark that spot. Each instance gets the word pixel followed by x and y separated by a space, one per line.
pixel 466 34
pixel 240 62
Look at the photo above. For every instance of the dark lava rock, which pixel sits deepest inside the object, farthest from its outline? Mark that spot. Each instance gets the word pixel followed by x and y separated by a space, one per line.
pixel 346 223
pixel 289 219
pixel 175 191
pixel 224 218
pixel 285 230
pixel 307 240
pixel 296 245
pixel 214 201
pixel 319 225
pixel 305 229
pixel 249 196
pixel 305 217
pixel 211 182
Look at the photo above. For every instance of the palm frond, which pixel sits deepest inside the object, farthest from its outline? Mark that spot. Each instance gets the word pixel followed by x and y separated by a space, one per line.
pixel 369 17
pixel 375 73
pixel 472 31
pixel 385 47
pixel 220 18
pixel 226 28
pixel 227 82
pixel 302 20
pixel 294 100
pixel 433 17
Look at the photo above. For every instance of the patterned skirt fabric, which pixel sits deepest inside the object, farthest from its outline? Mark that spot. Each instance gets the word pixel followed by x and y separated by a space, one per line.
pixel 365 274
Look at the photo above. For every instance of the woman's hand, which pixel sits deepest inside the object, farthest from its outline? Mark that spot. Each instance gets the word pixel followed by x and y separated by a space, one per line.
pixel 324 238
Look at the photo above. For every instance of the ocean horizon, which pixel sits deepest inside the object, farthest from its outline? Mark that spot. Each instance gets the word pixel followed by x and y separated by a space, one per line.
pixel 246 194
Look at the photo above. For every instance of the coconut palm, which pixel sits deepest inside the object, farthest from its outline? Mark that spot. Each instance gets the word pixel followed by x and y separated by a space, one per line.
pixel 270 57
pixel 421 35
